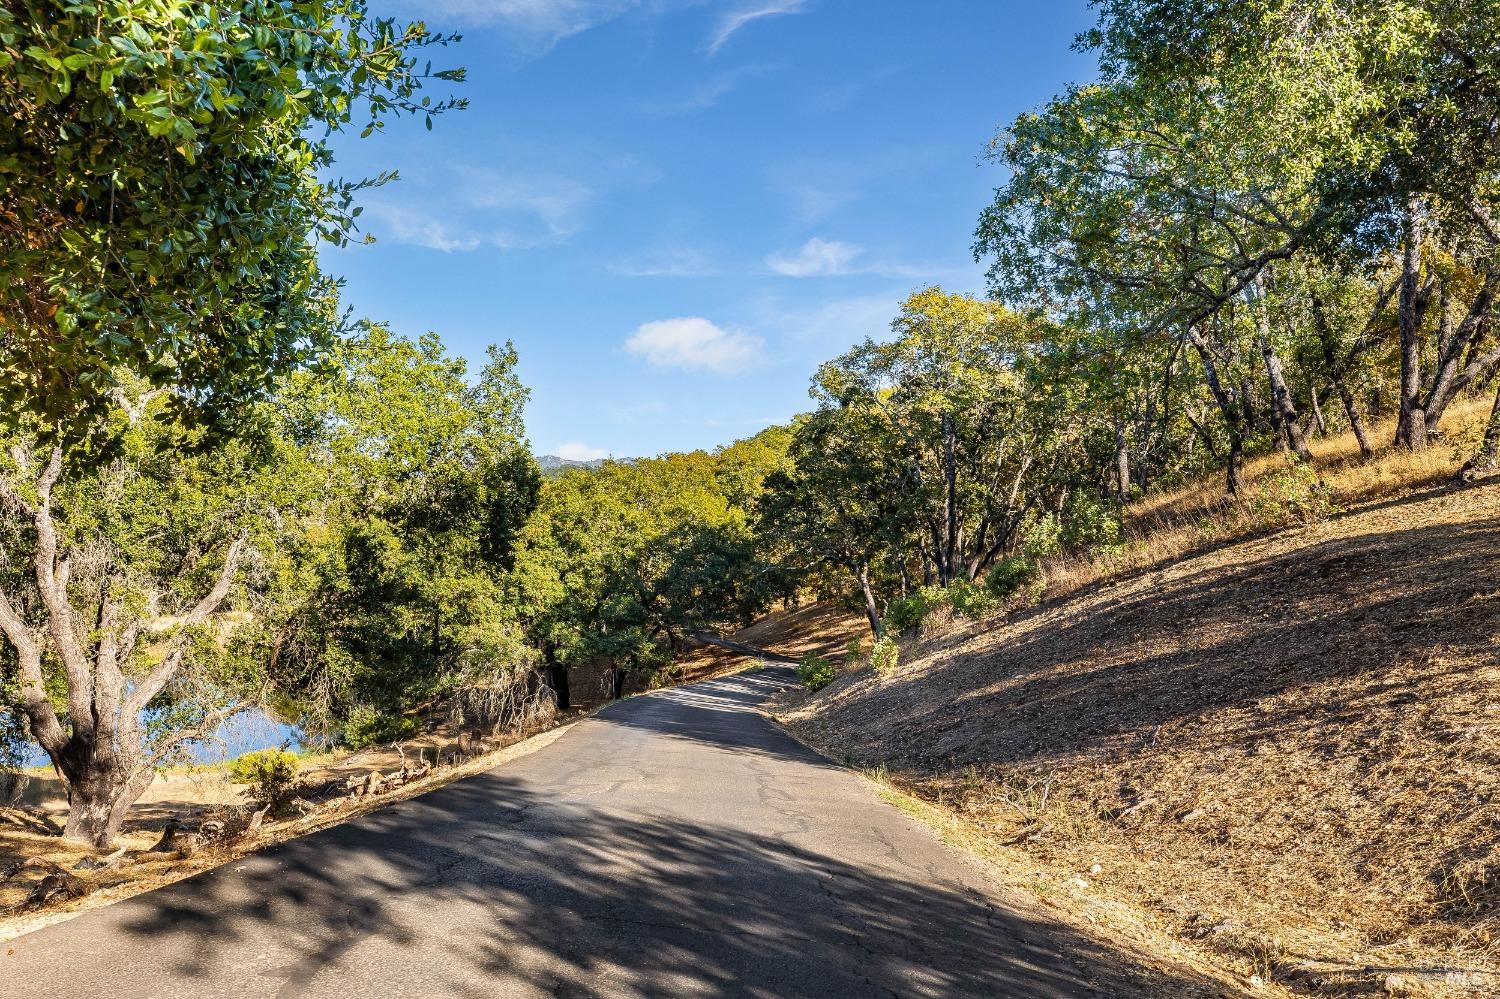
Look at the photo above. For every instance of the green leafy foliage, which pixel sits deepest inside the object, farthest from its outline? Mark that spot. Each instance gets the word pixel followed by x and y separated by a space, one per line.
pixel 907 613
pixel 971 600
pixel 622 561
pixel 1293 493
pixel 166 180
pixel 392 579
pixel 365 726
pixel 815 672
pixel 885 655
pixel 272 775
pixel 965 599
pixel 1089 524
pixel 1010 576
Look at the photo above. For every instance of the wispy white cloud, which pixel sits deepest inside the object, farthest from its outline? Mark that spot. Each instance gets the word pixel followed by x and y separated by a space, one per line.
pixel 532 196
pixel 816 258
pixel 696 344
pixel 807 333
pixel 733 20
pixel 848 320
pixel 397 223
pixel 812 203
pixel 556 201
pixel 530 27
pixel 702 96
pixel 464 208
pixel 579 451
pixel 817 187
pixel 831 258
pixel 675 262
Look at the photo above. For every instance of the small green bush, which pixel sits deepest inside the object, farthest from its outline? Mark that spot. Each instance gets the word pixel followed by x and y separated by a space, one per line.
pixel 1010 576
pixel 1294 493
pixel 886 655
pixel 815 672
pixel 854 654
pixel 367 727
pixel 1090 523
pixel 907 613
pixel 971 601
pixel 1042 536
pixel 271 774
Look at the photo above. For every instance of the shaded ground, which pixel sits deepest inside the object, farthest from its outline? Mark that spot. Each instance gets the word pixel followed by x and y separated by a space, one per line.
pixel 790 634
pixel 191 795
pixel 677 843
pixel 1289 747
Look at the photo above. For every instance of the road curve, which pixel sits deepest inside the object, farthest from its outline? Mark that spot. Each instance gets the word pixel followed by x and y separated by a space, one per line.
pixel 675 844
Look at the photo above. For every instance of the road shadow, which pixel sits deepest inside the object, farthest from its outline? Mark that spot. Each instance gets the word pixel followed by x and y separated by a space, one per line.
pixel 721 713
pixel 488 888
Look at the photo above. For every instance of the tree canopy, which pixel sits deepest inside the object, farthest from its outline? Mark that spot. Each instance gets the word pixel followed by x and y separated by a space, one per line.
pixel 1265 221
pixel 164 181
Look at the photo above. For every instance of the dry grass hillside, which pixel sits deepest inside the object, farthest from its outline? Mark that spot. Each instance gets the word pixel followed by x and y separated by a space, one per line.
pixel 1284 750
pixel 821 629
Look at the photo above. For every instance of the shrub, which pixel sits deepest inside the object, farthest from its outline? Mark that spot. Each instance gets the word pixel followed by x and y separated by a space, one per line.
pixel 1090 523
pixel 271 774
pixel 815 672
pixel 1294 493
pixel 366 727
pixel 854 654
pixel 1043 536
pixel 971 601
pixel 1010 576
pixel 907 613
pixel 886 655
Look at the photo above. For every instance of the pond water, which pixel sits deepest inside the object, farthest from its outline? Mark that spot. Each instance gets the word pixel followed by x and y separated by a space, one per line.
pixel 241 734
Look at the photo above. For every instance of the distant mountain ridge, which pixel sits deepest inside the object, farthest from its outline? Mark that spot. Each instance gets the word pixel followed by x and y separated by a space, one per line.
pixel 552 464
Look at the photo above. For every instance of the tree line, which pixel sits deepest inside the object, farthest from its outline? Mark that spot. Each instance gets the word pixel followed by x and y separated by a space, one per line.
pixel 1265 220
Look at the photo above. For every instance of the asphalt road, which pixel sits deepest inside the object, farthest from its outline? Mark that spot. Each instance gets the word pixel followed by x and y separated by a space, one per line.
pixel 675 844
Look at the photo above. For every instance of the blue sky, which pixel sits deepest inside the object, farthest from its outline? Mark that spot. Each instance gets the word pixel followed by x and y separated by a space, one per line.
pixel 677 208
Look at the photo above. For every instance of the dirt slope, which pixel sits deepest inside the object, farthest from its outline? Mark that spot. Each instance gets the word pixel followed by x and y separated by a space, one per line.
pixel 1287 749
pixel 823 629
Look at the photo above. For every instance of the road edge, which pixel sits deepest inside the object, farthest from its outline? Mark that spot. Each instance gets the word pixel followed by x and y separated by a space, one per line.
pixel 1110 921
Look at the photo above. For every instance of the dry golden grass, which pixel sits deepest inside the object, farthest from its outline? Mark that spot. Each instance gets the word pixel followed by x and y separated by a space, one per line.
pixel 822 629
pixel 1170 525
pixel 1282 748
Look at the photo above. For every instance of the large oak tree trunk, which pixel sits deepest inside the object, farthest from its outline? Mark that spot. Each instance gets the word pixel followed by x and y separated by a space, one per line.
pixel 96 806
pixel 100 752
pixel 1411 427
pixel 1284 410
pixel 872 610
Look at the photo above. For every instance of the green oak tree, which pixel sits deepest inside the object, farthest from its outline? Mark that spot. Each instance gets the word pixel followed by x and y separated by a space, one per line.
pixel 164 182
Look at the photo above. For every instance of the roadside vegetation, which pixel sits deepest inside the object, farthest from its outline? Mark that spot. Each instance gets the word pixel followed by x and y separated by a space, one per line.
pixel 1208 468
pixel 1276 749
